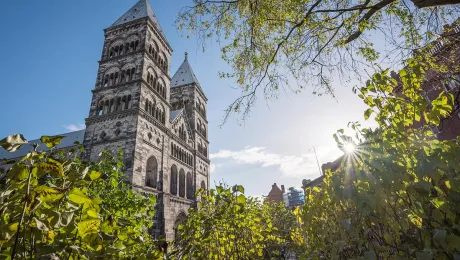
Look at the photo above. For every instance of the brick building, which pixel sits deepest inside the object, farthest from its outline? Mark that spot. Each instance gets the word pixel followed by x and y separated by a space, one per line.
pixel 276 194
pixel 444 52
pixel 159 122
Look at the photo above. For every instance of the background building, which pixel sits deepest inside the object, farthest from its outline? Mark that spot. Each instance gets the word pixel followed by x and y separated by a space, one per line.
pixel 276 194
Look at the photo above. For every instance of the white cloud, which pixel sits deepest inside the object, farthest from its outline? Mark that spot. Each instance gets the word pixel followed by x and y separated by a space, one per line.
pixel 76 127
pixel 304 165
pixel 212 167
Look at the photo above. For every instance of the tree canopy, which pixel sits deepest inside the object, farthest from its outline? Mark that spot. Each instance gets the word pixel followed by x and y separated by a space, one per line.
pixel 276 44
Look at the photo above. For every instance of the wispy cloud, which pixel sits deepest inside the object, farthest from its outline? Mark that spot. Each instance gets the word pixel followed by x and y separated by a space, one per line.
pixel 289 165
pixel 76 127
pixel 212 167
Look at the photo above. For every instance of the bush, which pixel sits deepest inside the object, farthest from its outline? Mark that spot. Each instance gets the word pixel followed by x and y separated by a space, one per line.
pixel 53 205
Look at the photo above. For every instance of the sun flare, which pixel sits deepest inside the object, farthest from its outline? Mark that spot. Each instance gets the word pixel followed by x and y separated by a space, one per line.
pixel 349 148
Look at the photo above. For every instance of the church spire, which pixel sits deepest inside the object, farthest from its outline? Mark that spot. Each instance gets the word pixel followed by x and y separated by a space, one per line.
pixel 141 9
pixel 184 75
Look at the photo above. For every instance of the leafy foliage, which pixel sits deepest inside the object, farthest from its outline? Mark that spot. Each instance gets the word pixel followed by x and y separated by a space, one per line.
pixel 55 205
pixel 275 44
pixel 397 197
pixel 229 225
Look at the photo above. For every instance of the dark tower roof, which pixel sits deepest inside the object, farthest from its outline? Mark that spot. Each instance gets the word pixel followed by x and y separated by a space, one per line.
pixel 184 75
pixel 140 10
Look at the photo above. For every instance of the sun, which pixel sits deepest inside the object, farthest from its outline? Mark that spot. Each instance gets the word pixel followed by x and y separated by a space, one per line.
pixel 349 148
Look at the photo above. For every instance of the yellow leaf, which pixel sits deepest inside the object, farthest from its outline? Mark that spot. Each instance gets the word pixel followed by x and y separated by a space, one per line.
pixel 13 227
pixel 78 196
pixel 92 213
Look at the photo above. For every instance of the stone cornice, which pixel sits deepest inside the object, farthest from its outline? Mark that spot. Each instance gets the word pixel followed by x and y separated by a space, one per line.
pixel 177 199
pixel 110 116
pixel 118 85
pixel 151 145
pixel 103 60
pixel 108 140
pixel 182 163
pixel 153 120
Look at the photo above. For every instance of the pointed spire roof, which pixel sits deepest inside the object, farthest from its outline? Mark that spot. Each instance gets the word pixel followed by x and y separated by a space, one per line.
pixel 184 75
pixel 140 10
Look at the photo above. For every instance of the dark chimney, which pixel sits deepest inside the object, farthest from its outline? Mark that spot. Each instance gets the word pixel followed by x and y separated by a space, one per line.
pixel 282 188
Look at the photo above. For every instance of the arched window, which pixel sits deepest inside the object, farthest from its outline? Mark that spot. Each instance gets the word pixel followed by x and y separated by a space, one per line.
pixel 111 105
pixel 203 185
pixel 106 107
pixel 123 103
pixel 128 102
pixel 182 183
pixel 173 180
pixel 147 105
pixel 151 172
pixel 190 193
pixel 100 108
pixel 106 81
pixel 118 104
pixel 131 77
pixel 131 46
pixel 181 218
pixel 123 78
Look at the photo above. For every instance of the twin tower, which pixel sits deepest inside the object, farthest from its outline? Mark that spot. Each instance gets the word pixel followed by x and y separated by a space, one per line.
pixel 158 121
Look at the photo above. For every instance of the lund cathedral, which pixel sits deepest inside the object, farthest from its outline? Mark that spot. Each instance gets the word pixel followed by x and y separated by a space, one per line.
pixel 158 121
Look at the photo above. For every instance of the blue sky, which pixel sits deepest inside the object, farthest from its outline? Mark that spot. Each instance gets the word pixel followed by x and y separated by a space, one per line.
pixel 48 67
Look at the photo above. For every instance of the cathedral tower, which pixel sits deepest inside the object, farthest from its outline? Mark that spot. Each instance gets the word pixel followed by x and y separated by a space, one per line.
pixel 131 110
pixel 187 94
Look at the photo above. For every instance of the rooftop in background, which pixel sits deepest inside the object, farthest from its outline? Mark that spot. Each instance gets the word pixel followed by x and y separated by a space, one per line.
pixel 140 10
pixel 68 141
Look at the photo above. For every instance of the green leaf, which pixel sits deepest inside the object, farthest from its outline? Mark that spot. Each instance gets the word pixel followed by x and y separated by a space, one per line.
pixel 92 213
pixel 48 194
pixel 87 227
pixel 240 188
pixel 241 199
pixel 370 255
pixel 77 196
pixel 439 237
pixel 94 175
pixel 51 141
pixel 66 218
pixel 13 142
pixel 40 225
pixel 51 166
pixel 422 255
pixel 453 241
pixel 368 113
pixel 19 172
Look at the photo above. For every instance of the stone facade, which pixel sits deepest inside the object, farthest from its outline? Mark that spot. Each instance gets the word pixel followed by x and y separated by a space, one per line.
pixel 161 127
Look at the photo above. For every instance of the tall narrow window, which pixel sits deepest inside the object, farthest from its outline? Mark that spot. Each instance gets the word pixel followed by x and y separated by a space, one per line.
pixel 128 102
pixel 182 183
pixel 190 193
pixel 151 172
pixel 173 180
